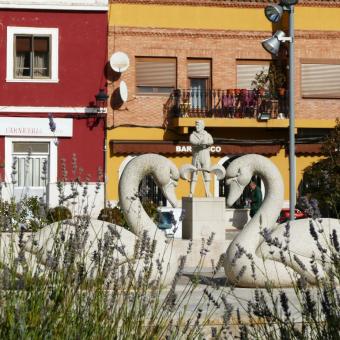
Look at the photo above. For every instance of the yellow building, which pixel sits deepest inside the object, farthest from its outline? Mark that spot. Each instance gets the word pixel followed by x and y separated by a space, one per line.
pixel 203 60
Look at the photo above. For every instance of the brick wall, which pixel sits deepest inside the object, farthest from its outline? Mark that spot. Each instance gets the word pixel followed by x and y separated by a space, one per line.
pixel 224 48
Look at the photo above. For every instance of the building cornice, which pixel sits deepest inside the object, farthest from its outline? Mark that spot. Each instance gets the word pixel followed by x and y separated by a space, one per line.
pixel 226 3
pixel 215 34
pixel 47 109
pixel 65 5
pixel 55 7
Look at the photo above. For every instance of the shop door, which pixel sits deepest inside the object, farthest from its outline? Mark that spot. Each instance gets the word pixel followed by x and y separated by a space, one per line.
pixel 30 169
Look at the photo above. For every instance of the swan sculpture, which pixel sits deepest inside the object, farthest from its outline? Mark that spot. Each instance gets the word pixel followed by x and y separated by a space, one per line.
pixel 167 251
pixel 250 261
pixel 166 176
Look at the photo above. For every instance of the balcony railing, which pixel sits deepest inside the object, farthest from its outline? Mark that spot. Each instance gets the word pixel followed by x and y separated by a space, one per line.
pixel 232 103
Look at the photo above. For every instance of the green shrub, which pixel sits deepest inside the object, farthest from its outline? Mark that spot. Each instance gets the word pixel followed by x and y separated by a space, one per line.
pixel 150 208
pixel 321 180
pixel 59 213
pixel 7 212
pixel 27 214
pixel 113 215
pixel 116 216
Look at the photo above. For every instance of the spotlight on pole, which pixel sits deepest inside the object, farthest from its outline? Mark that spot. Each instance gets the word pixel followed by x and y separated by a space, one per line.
pixel 272 45
pixel 273 13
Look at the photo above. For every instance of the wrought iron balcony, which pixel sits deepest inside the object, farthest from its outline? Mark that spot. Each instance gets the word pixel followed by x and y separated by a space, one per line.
pixel 232 103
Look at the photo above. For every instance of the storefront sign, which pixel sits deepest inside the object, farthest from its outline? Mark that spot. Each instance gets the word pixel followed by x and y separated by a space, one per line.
pixel 185 149
pixel 188 148
pixel 35 127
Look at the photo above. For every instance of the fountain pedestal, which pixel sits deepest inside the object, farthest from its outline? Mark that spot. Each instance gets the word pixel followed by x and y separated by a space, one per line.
pixel 202 216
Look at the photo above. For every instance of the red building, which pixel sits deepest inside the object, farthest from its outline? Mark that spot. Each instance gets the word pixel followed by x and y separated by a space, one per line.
pixel 52 62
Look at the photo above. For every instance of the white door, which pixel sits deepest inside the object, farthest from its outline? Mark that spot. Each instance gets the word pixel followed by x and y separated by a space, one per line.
pixel 198 93
pixel 30 172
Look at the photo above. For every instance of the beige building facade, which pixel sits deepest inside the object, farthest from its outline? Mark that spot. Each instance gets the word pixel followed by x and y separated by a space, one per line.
pixel 194 60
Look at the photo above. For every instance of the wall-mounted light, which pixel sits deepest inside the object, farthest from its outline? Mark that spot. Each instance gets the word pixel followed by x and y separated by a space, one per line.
pixel 101 101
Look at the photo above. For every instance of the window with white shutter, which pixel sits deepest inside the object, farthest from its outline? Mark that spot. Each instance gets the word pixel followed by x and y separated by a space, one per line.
pixel 320 79
pixel 198 68
pixel 247 70
pixel 155 75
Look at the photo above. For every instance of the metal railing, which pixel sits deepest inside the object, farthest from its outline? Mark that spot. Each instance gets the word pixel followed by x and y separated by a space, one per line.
pixel 232 103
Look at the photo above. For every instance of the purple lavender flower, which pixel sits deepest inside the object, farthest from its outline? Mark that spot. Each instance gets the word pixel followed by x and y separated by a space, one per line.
pixel 335 240
pixel 51 122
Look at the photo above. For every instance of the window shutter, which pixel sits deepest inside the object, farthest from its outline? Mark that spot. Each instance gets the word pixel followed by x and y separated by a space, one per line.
pixel 247 70
pixel 199 69
pixel 23 44
pixel 320 80
pixel 41 44
pixel 156 72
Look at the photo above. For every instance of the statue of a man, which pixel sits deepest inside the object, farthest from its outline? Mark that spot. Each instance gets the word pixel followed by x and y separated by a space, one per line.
pixel 201 141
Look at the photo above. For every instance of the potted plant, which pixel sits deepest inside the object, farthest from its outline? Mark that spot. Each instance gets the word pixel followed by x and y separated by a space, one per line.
pixel 261 82
pixel 281 91
pixel 272 81
pixel 277 80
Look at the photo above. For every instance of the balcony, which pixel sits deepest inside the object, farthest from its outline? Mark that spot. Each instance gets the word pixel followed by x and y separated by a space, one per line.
pixel 231 103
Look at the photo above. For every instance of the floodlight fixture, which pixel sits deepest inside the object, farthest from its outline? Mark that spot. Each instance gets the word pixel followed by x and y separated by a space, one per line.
pixel 273 13
pixel 272 45
pixel 264 117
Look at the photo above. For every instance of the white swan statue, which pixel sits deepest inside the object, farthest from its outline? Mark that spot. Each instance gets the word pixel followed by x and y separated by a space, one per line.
pixel 166 176
pixel 168 251
pixel 250 261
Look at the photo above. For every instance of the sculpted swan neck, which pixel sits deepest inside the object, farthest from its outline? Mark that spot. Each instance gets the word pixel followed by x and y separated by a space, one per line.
pixel 161 169
pixel 273 201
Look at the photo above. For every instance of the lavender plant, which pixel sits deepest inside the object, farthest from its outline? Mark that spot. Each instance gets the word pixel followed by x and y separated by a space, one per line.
pixel 304 311
pixel 63 296
pixel 55 284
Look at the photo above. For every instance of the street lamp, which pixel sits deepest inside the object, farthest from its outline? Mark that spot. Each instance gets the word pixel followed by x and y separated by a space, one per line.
pixel 101 100
pixel 274 14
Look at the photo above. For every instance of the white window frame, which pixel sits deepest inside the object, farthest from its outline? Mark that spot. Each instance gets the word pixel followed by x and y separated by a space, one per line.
pixel 52 32
pixel 35 155
pixel 53 156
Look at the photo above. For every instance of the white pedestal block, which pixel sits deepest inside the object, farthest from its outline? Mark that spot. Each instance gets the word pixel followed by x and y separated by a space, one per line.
pixel 202 216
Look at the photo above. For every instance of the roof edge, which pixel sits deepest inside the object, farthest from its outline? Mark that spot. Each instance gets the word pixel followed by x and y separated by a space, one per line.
pixel 227 3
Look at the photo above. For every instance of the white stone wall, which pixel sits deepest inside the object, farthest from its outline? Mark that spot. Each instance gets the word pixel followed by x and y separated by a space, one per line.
pixel 94 201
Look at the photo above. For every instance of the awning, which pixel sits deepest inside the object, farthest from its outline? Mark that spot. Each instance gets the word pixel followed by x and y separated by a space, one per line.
pixel 184 148
pixel 308 148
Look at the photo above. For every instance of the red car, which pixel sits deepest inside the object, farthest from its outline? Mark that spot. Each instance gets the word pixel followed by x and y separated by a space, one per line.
pixel 285 214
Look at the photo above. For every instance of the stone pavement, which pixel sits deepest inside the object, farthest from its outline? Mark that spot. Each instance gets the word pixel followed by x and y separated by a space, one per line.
pixel 238 298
